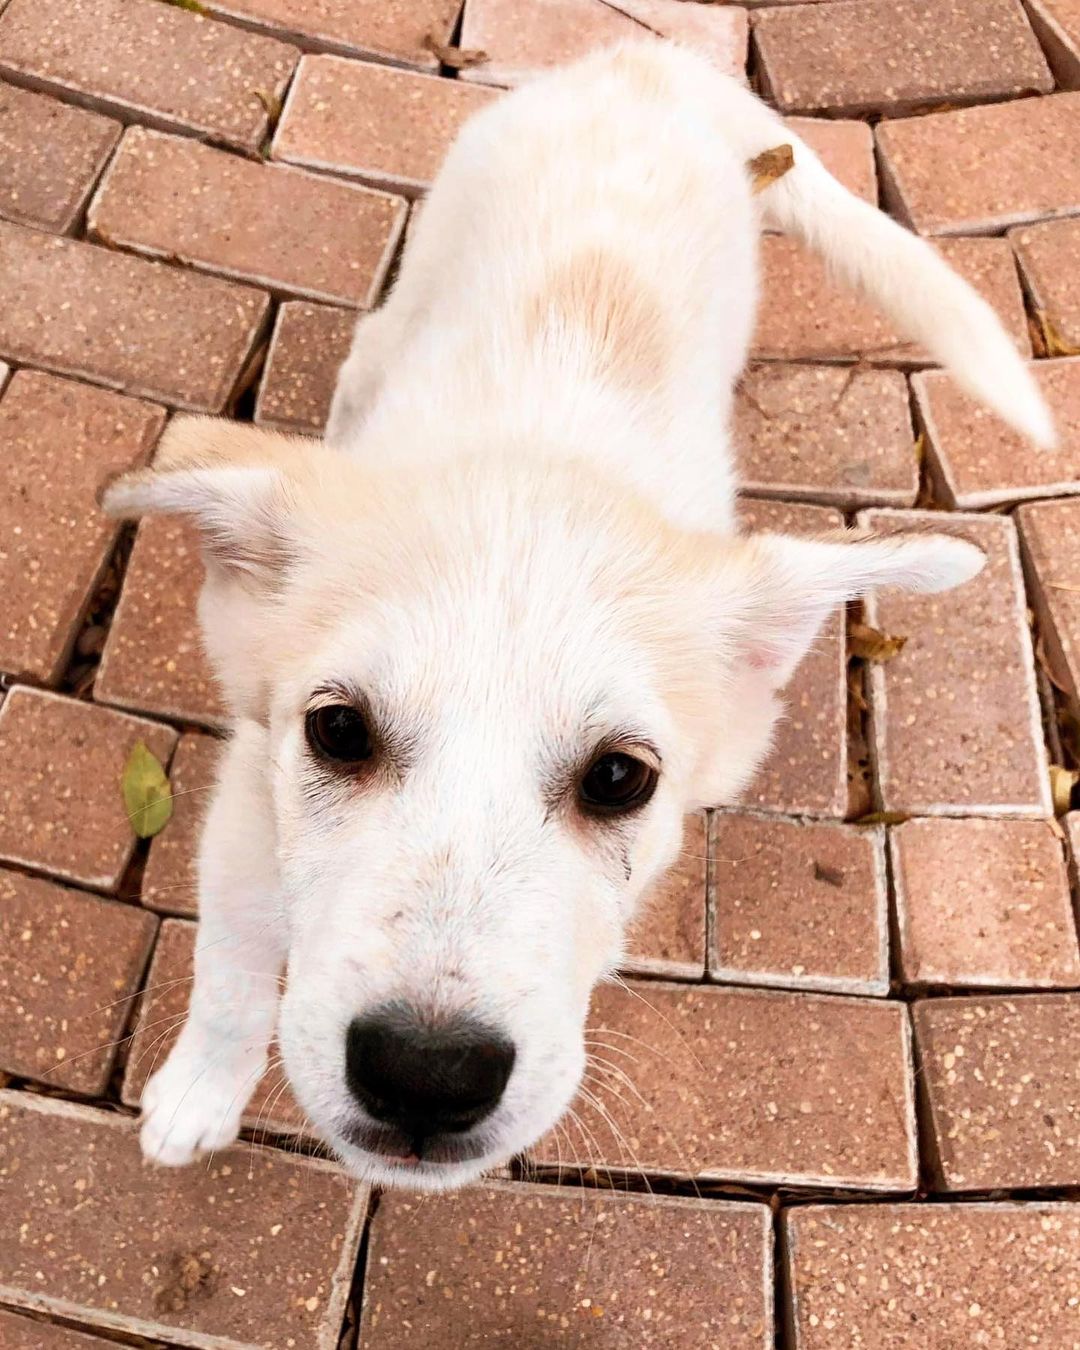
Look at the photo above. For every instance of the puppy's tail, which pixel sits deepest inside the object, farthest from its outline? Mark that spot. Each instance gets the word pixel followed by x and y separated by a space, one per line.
pixel 894 268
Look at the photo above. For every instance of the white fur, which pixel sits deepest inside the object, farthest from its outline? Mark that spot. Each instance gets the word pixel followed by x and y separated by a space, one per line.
pixel 520 543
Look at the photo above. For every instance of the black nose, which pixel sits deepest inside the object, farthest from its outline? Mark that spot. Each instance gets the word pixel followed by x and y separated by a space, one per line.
pixel 425 1080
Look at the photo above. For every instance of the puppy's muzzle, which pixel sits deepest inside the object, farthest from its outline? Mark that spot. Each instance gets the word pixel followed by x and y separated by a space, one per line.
pixel 426 1081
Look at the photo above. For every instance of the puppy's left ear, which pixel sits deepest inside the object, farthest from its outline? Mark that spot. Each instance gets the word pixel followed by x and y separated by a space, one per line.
pixel 238 483
pixel 776 591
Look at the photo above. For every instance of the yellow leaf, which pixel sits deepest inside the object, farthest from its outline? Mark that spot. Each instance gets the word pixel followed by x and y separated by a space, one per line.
pixel 455 58
pixel 147 794
pixel 770 165
pixel 869 644
pixel 1055 343
pixel 1062 782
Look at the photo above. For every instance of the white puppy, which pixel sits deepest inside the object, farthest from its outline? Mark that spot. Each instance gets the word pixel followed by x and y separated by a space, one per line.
pixel 484 653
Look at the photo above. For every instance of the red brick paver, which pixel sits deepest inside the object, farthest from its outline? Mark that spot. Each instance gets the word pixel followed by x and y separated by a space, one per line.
pixel 88 957
pixel 30 1333
pixel 139 326
pixel 799 904
pixel 864 56
pixel 846 148
pixel 389 128
pixel 1002 1083
pixel 956 714
pixel 168 882
pixel 544 1266
pixel 1050 534
pixel 1057 25
pixel 979 170
pixel 267 224
pixel 307 348
pixel 62 441
pixel 668 936
pixel 978 461
pixel 897 1276
pixel 154 661
pixel 806 315
pixel 823 433
pixel 983 902
pixel 254 1249
pixel 61 808
pixel 396 31
pixel 523 39
pixel 148 62
pixel 745 1085
pixel 1049 257
pixel 50 158
pixel 806 772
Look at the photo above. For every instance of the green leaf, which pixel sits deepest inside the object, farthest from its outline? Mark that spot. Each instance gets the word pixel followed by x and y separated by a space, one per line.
pixel 147 794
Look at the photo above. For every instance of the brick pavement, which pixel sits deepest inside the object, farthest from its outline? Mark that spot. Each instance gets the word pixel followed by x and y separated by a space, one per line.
pixel 843 1102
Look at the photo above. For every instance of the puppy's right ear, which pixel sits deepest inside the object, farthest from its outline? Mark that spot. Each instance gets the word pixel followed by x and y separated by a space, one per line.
pixel 238 484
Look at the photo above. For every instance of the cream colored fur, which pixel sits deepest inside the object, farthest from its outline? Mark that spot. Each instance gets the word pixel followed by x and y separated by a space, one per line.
pixel 518 543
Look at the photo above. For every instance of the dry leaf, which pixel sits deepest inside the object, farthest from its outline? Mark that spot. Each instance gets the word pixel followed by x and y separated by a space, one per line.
pixel 1047 668
pixel 1054 343
pixel 920 448
pixel 770 165
pixel 270 102
pixel 883 818
pixel 869 644
pixel 147 794
pixel 456 58
pixel 1063 586
pixel 192 5
pixel 1062 782
pixel 832 876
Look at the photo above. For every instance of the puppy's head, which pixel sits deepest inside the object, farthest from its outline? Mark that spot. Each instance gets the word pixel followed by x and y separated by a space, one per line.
pixel 489 694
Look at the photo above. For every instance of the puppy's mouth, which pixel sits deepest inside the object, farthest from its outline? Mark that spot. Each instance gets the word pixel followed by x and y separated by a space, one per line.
pixel 394 1147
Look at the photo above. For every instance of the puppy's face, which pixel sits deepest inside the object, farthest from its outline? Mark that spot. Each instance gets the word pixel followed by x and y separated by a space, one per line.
pixel 490 695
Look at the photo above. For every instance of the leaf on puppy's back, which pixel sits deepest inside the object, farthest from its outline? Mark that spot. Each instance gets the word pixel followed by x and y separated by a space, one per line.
pixel 770 165
pixel 870 644
pixel 147 794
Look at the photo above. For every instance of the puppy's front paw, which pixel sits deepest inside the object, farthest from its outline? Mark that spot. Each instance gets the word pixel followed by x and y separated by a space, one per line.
pixel 189 1109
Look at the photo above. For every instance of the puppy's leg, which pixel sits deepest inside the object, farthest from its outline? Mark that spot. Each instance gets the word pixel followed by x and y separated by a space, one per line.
pixel 194 1102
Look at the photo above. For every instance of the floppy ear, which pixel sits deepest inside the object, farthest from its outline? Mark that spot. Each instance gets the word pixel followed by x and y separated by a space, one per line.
pixel 238 484
pixel 777 591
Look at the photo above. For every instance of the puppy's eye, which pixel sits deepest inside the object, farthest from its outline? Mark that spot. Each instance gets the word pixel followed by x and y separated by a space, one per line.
pixel 617 782
pixel 339 732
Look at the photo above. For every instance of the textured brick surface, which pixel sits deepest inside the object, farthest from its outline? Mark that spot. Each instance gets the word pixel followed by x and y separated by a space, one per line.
pixel 846 148
pixel 1002 1082
pixel 89 955
pixel 669 935
pixel 61 442
pixel 1057 25
pixel 50 157
pixel 139 326
pixel 1050 534
pixel 168 883
pixel 149 62
pixel 162 1253
pixel 748 1086
pixel 391 30
pixel 956 716
pixel 61 809
pixel 524 37
pixel 28 1333
pixel 807 315
pixel 154 661
pixel 802 905
pixel 389 128
pixel 306 351
pixel 983 169
pixel 806 773
pixel 897 1276
pixel 983 902
pixel 823 433
pixel 539 1265
pixel 1049 257
pixel 268 224
pixel 272 1110
pixel 977 461
pixel 862 56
